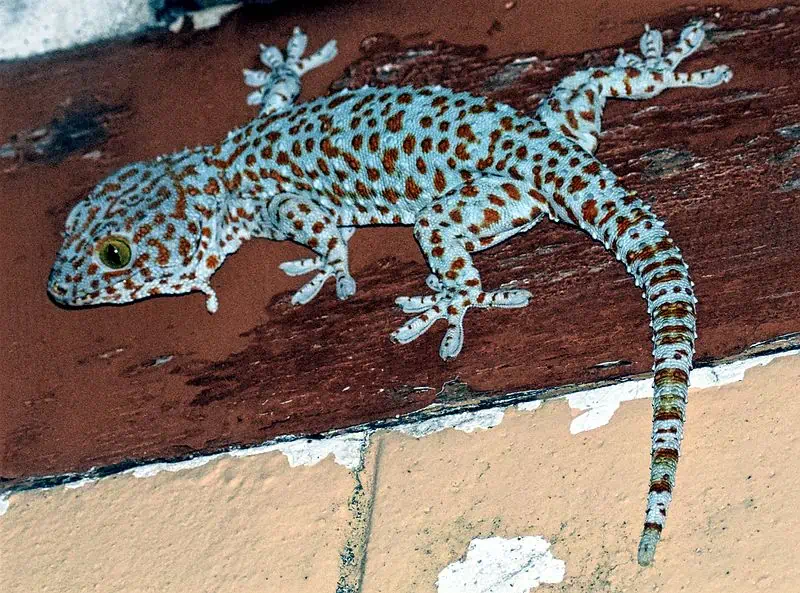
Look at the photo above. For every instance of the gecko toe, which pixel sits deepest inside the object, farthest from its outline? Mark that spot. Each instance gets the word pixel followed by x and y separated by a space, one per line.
pixel 345 287
pixel 417 326
pixel 453 339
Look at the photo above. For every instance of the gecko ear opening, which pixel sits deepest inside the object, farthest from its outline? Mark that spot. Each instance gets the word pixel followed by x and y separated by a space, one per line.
pixel 114 252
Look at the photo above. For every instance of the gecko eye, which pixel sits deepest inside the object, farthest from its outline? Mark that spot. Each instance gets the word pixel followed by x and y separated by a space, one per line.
pixel 115 252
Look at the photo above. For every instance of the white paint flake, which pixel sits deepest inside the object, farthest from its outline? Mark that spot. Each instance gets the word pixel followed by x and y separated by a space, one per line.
pixel 598 405
pixel 465 421
pixel 530 406
pixel 80 483
pixel 732 372
pixel 499 565
pixel 347 450
pixel 4 504
pixel 152 469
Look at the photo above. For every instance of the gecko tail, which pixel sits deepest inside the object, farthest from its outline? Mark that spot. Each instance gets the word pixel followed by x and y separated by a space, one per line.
pixel 658 267
pixel 642 243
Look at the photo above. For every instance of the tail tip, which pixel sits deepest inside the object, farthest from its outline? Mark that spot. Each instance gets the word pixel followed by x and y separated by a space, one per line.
pixel 647 548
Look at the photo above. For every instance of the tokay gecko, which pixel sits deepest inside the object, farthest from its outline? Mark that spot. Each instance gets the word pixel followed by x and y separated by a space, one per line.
pixel 466 171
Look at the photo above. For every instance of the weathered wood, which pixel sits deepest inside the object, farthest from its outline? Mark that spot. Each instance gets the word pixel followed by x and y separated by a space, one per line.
pixel 719 165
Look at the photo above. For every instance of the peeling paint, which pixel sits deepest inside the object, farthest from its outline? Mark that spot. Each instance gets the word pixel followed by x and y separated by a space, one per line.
pixel 530 406
pixel 732 372
pixel 598 405
pixel 150 470
pixel 465 421
pixel 80 483
pixel 347 450
pixel 500 565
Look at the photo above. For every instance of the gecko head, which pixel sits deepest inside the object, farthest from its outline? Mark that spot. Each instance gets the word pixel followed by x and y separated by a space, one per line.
pixel 140 232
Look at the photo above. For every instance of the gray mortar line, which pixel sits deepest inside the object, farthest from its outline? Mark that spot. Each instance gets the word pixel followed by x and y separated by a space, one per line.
pixel 353 558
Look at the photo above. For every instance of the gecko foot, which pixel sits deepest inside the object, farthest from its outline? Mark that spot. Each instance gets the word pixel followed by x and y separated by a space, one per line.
pixel 345 284
pixel 285 70
pixel 451 303
pixel 652 47
pixel 661 67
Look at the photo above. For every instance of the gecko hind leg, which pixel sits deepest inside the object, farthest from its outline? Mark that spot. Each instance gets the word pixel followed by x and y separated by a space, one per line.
pixel 653 61
pixel 483 219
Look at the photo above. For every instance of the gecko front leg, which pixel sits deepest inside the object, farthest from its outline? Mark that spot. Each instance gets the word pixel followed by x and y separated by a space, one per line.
pixel 277 89
pixel 305 221
pixel 464 220
pixel 319 264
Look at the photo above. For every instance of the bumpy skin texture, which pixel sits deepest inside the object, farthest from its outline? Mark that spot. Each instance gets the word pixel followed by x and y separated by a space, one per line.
pixel 465 171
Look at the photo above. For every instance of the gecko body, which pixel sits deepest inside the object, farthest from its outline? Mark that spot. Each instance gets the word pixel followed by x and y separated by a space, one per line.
pixel 467 172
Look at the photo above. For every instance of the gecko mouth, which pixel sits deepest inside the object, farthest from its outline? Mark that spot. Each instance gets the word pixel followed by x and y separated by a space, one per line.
pixel 57 291
pixel 60 295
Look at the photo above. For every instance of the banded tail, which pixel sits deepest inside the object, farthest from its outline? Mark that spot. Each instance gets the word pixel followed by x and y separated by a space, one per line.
pixel 639 240
pixel 628 228
pixel 657 266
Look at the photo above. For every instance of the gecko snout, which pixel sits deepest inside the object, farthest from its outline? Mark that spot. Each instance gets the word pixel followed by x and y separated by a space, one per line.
pixel 55 289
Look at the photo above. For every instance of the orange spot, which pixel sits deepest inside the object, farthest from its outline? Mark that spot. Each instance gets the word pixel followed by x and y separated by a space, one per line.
pixel 374 142
pixel 141 232
pixel 490 217
pixel 413 190
pixel 390 195
pixel 439 182
pixel 511 191
pixel 589 211
pixel 395 122
pixel 465 131
pixel 409 143
pixel 577 184
pixel 592 168
pixel 390 160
